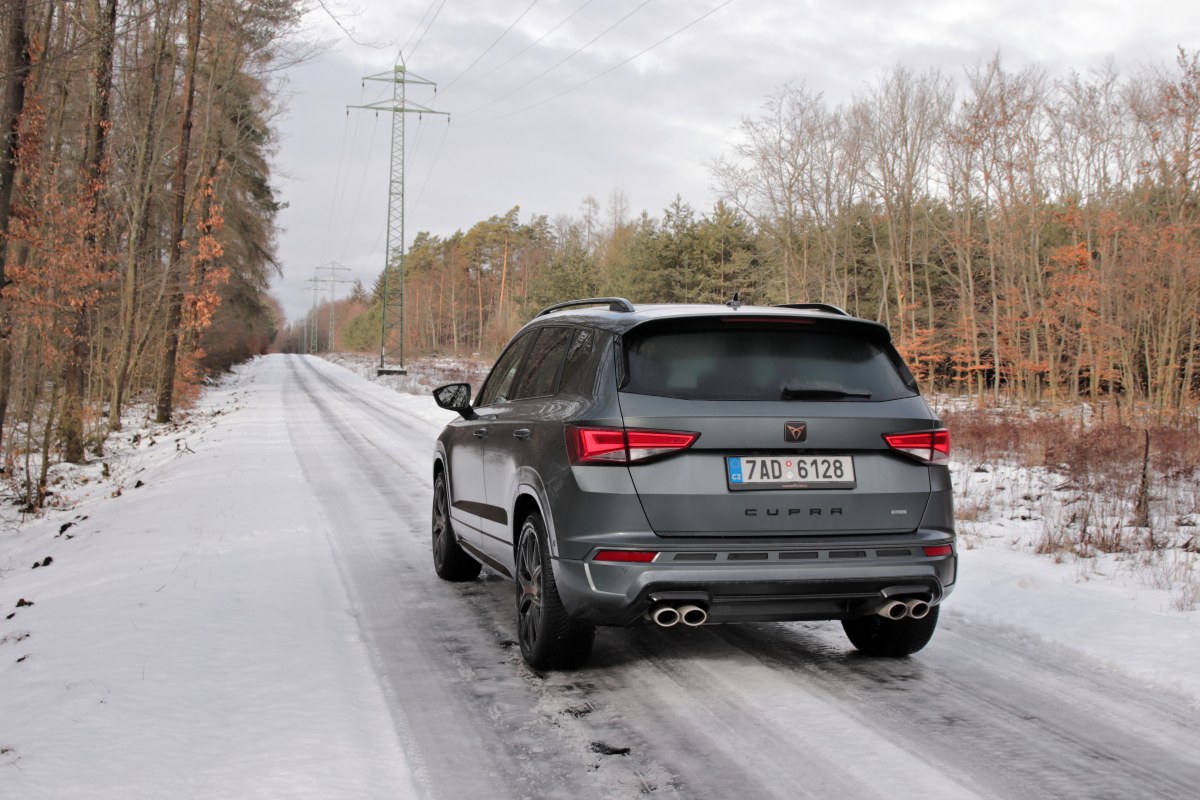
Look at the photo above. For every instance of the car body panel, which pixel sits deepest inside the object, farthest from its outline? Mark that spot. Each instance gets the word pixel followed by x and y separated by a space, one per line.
pixel 463 456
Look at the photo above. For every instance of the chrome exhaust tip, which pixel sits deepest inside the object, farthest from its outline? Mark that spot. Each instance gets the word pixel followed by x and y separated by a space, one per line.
pixel 665 616
pixel 893 609
pixel 917 609
pixel 693 616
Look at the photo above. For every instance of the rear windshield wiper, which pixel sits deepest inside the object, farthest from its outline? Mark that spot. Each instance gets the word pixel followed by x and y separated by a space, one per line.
pixel 790 393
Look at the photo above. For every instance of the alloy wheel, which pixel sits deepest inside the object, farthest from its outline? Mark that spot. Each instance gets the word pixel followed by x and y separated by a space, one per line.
pixel 530 610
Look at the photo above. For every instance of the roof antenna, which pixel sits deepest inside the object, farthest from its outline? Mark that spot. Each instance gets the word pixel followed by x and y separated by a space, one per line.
pixel 736 302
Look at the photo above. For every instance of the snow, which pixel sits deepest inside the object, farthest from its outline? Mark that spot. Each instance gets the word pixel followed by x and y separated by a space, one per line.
pixel 195 636
pixel 1117 626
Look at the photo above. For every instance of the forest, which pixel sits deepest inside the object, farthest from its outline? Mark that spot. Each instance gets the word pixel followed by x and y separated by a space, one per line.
pixel 136 210
pixel 1027 237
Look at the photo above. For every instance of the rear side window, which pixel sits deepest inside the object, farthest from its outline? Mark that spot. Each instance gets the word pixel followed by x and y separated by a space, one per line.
pixel 763 363
pixel 576 375
pixel 540 377
pixel 498 388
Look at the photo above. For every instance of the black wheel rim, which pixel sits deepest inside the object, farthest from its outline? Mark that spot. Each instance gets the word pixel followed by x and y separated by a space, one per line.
pixel 529 588
pixel 441 523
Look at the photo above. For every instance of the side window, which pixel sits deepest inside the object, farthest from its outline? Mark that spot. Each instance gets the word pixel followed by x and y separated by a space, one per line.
pixel 575 375
pixel 540 378
pixel 499 382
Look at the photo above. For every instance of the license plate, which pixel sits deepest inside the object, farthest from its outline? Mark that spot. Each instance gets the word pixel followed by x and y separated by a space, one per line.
pixel 746 473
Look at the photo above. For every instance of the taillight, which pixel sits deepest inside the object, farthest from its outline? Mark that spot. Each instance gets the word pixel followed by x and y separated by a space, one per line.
pixel 931 447
pixel 620 446
pixel 938 550
pixel 600 444
pixel 626 556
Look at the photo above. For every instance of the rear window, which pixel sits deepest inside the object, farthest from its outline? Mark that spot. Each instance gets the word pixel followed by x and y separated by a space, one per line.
pixel 764 363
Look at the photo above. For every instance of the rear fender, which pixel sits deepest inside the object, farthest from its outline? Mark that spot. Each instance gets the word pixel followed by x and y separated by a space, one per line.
pixel 531 489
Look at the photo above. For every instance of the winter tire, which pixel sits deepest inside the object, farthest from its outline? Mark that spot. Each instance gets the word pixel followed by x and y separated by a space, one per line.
pixel 450 561
pixel 549 638
pixel 874 635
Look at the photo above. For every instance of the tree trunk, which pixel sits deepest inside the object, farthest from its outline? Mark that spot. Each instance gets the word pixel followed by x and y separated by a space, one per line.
pixel 137 234
pixel 166 385
pixel 91 181
pixel 16 70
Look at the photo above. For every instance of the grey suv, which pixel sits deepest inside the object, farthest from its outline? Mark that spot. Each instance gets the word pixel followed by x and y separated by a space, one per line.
pixel 698 464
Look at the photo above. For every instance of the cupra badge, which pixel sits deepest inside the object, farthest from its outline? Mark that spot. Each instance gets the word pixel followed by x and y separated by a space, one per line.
pixel 795 431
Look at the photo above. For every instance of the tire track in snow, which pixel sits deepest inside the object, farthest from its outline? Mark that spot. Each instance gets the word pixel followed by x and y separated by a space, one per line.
pixel 475 719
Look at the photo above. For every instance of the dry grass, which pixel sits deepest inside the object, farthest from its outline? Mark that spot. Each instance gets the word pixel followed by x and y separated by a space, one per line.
pixel 1097 456
pixel 1099 499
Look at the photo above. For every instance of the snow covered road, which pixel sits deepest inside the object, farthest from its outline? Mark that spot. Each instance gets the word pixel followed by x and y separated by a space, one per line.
pixel 263 620
pixel 770 710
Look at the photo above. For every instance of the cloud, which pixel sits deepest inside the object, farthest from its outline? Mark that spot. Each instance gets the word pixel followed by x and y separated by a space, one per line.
pixel 649 127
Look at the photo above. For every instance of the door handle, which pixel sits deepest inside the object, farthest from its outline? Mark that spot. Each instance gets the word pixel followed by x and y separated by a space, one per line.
pixel 480 433
pixel 521 433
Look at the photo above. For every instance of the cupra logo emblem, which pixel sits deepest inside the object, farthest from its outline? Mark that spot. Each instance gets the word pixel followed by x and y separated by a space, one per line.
pixel 795 431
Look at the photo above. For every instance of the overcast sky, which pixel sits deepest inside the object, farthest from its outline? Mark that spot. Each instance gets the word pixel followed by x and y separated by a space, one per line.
pixel 546 114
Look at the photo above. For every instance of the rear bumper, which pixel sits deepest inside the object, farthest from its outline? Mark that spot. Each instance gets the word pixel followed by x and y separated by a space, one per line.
pixel 755 586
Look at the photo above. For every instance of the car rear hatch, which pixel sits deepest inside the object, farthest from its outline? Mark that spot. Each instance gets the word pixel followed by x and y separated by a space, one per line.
pixel 792 415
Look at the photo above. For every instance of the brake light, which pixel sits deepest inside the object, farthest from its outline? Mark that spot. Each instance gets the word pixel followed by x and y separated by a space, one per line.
pixel 626 556
pixel 931 447
pixel 600 444
pixel 939 550
pixel 620 446
pixel 771 320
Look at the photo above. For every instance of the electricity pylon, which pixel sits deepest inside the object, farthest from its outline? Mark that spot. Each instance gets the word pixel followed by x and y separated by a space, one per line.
pixel 391 333
pixel 311 338
pixel 333 280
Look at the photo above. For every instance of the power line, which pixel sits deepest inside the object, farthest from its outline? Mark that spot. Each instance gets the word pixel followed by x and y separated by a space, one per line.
pixel 429 174
pixel 404 46
pixel 412 151
pixel 599 75
pixel 413 52
pixel 488 49
pixel 524 49
pixel 558 64
pixel 337 177
pixel 362 184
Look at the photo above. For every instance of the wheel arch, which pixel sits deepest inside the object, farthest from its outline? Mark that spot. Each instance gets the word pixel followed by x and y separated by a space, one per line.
pixel 439 461
pixel 530 497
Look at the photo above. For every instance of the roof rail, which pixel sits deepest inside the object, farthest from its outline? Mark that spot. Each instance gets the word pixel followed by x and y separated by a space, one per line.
pixel 826 307
pixel 619 304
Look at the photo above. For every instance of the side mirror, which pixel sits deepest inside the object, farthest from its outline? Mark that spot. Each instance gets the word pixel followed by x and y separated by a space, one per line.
pixel 455 397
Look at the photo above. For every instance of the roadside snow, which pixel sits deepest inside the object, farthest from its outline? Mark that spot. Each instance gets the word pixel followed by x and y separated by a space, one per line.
pixel 1130 612
pixel 192 637
pixel 1116 626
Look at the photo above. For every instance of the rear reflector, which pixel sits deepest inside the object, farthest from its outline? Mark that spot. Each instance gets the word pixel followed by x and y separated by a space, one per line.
pixel 939 550
pixel 620 446
pixel 931 447
pixel 625 556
